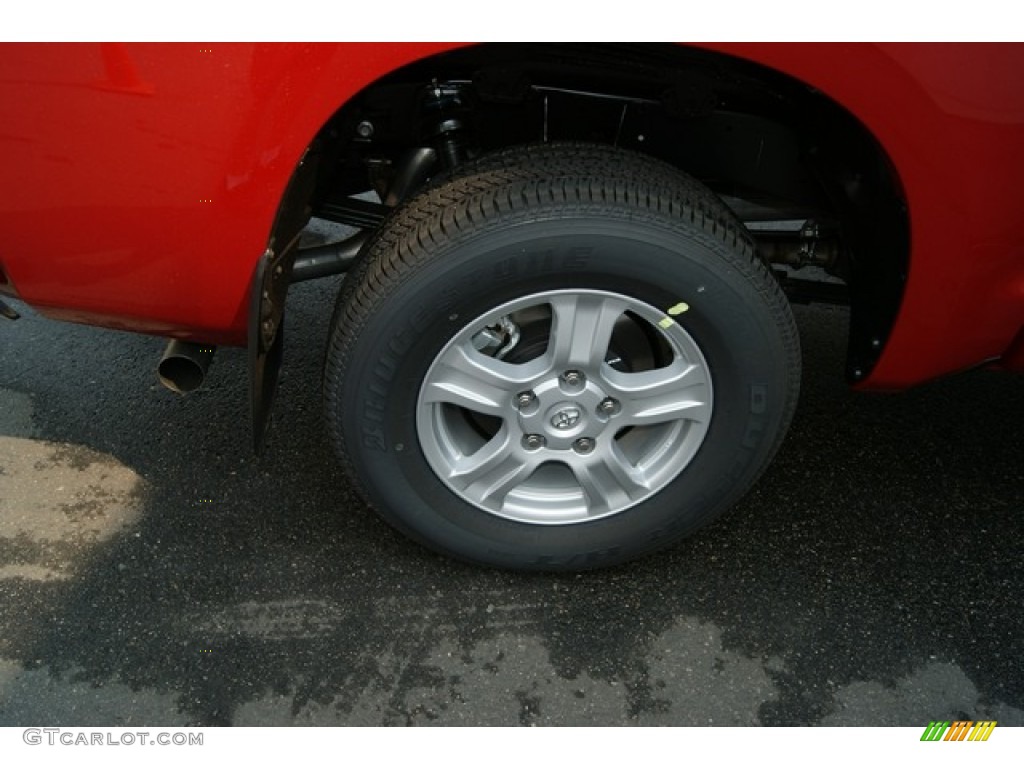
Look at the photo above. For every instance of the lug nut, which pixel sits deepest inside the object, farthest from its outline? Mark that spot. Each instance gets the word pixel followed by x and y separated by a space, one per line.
pixel 533 442
pixel 583 445
pixel 525 400
pixel 573 378
pixel 609 406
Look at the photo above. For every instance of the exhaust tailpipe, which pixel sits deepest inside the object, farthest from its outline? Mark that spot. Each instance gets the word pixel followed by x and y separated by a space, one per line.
pixel 184 364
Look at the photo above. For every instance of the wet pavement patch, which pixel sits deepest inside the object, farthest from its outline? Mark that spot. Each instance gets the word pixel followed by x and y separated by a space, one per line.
pixel 152 570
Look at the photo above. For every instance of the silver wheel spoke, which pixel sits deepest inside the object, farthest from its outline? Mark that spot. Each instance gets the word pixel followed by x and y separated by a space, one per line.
pixel 495 469
pixel 541 441
pixel 608 480
pixel 581 329
pixel 679 391
pixel 467 378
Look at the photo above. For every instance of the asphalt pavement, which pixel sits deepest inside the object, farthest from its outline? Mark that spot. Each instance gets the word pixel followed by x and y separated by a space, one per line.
pixel 153 571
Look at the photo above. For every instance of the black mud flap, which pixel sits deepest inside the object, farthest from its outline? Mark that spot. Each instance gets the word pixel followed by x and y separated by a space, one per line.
pixel 268 292
pixel 266 334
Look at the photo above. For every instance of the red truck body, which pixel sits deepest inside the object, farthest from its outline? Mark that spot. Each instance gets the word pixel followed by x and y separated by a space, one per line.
pixel 142 181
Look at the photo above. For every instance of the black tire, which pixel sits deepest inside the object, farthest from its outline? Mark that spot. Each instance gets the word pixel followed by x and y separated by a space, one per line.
pixel 457 252
pixel 572 158
pixel 578 158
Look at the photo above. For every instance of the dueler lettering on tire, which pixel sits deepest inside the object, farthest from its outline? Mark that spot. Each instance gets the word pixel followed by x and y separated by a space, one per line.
pixel 559 371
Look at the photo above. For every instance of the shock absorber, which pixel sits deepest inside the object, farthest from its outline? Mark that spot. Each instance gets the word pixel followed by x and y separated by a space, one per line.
pixel 446 110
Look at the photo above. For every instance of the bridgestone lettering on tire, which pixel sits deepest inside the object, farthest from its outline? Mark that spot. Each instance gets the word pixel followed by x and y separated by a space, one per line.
pixel 549 369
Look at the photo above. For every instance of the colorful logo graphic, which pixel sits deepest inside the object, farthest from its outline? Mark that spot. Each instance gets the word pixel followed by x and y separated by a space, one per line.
pixel 961 730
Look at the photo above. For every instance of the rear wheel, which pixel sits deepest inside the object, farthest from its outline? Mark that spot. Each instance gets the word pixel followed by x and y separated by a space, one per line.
pixel 559 372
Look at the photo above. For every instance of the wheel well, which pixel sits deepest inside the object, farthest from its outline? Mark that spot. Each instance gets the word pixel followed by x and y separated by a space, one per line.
pixel 772 147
